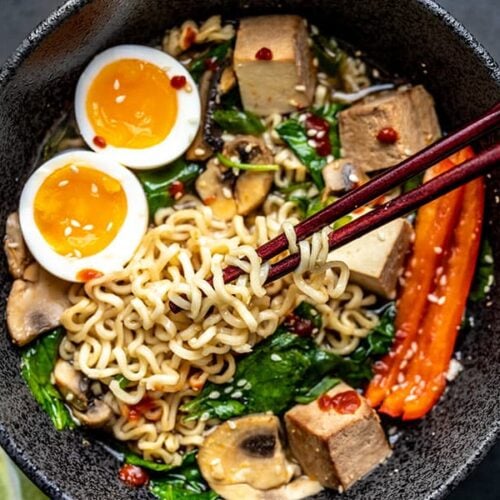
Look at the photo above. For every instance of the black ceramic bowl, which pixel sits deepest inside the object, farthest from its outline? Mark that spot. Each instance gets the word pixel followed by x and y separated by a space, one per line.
pixel 416 39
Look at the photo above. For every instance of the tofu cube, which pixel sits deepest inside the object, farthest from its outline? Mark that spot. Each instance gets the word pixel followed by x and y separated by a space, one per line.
pixel 376 259
pixel 336 449
pixel 284 83
pixel 410 113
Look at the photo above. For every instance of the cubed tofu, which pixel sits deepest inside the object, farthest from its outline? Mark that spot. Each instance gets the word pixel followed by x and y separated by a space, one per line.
pixel 343 175
pixel 410 113
pixel 376 259
pixel 334 448
pixel 287 81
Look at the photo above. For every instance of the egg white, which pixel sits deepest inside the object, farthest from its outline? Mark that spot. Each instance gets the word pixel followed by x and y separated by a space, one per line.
pixel 120 249
pixel 188 109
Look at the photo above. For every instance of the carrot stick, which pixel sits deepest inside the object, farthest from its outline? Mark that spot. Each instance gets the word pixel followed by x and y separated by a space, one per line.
pixel 442 323
pixel 435 222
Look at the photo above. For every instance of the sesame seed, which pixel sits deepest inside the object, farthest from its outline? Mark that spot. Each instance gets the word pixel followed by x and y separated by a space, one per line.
pixel 74 169
pixel 231 424
pixel 109 226
pixel 353 178
pixel 241 382
pixel 381 236
pixel 187 88
pixel 116 84
pixel 88 227
pixel 237 394
pixel 312 132
pixel 93 188
pixel 119 99
pixel 418 378
pixel 488 259
pixel 63 183
pixel 438 250
pixel 414 346
pixel 227 193
pixel 77 253
pixel 330 158
pixel 67 231
pixel 275 357
pixel 75 223
pixel 433 298
pixel 403 364
pixel 300 88
pixel 315 62
pixel 443 280
pixel 401 378
pixel 441 300
pixel 199 151
pixel 214 395
pixel 228 389
pixel 320 134
pixel 312 143
pixel 411 397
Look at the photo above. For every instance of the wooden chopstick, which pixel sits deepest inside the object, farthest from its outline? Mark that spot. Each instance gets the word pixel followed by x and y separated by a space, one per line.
pixel 399 206
pixel 378 186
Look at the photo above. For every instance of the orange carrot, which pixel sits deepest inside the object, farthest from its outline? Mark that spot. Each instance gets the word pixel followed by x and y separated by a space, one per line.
pixel 435 223
pixel 442 322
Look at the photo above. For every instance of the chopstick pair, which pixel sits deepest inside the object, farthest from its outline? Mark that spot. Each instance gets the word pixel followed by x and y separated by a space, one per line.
pixel 475 167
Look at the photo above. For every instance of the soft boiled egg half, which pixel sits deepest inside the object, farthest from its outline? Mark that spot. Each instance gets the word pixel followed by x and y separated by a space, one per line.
pixel 82 215
pixel 138 106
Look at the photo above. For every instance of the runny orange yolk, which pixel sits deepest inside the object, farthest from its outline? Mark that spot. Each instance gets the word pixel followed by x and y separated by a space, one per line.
pixel 131 104
pixel 79 210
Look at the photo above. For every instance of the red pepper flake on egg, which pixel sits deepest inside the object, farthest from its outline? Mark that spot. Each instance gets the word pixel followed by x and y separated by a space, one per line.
pixel 88 274
pixel 178 82
pixel 387 135
pixel 264 54
pixel 133 476
pixel 99 141
pixel 344 403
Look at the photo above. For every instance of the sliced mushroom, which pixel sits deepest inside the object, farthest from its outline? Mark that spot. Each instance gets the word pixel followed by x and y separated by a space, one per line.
pixel 343 175
pixel 18 256
pixel 36 303
pixel 200 149
pixel 227 193
pixel 98 414
pixel 72 384
pixel 244 457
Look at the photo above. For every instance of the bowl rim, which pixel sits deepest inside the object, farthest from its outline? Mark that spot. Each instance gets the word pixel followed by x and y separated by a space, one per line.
pixel 69 8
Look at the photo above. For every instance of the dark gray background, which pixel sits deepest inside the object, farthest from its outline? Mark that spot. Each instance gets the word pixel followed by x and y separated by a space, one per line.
pixel 481 17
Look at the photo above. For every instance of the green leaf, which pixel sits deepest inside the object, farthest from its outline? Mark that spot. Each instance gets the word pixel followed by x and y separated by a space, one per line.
pixel 318 390
pixel 38 361
pixel 294 134
pixel 308 311
pixel 412 183
pixel 217 54
pixel 156 183
pixel 133 459
pixel 182 482
pixel 328 53
pixel 238 122
pixel 484 277
pixel 123 382
pixel 254 167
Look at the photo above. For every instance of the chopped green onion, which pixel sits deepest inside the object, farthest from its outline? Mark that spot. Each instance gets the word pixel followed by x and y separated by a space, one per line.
pixel 227 162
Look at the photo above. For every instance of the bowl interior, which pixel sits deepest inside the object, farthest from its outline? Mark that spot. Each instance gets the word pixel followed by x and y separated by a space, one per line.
pixel 415 39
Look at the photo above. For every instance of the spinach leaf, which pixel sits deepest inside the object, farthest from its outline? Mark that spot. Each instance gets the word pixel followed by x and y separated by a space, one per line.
pixel 38 361
pixel 287 368
pixel 484 277
pixel 328 53
pixel 294 134
pixel 412 183
pixel 308 311
pixel 183 482
pixel 156 183
pixel 214 55
pixel 238 122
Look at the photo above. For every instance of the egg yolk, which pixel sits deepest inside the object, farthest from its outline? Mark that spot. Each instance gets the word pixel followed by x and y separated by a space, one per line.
pixel 131 104
pixel 79 210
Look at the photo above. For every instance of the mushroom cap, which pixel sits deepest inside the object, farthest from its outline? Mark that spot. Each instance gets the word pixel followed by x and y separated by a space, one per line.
pixel 98 414
pixel 245 452
pixel 18 256
pixel 72 384
pixel 35 304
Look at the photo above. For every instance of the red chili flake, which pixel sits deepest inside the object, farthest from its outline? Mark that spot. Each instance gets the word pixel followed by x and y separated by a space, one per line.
pixel 301 326
pixel 178 82
pixel 387 135
pixel 99 141
pixel 264 54
pixel 146 404
pixel 380 368
pixel 322 139
pixel 88 274
pixel 317 123
pixel 133 476
pixel 344 403
pixel 323 146
pixel 211 64
pixel 189 37
pixel 176 190
pixel 209 200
